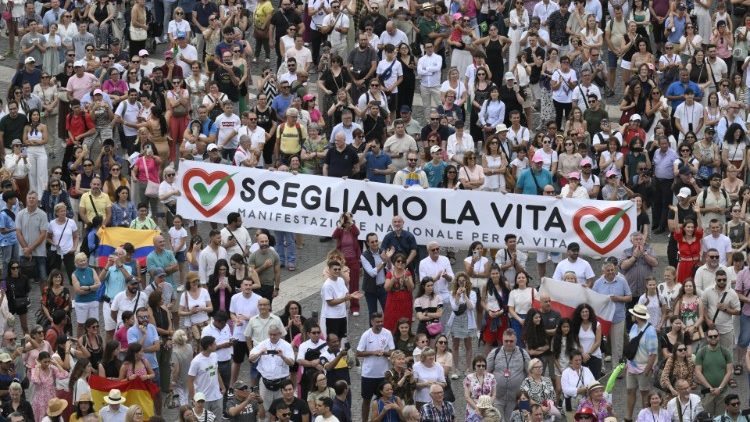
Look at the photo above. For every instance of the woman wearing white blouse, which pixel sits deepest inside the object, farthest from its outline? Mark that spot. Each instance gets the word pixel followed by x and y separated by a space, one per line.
pixel 574 189
pixel 519 303
pixel 519 22
pixel 425 373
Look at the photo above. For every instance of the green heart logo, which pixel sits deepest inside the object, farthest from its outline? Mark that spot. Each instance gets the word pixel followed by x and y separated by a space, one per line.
pixel 208 188
pixel 598 234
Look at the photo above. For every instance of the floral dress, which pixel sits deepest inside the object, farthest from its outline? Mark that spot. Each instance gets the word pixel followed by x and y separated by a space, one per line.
pixel 44 388
pixel 477 388
pixel 689 311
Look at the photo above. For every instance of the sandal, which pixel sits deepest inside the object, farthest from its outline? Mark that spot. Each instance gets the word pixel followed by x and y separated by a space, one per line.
pixel 732 383
pixel 737 369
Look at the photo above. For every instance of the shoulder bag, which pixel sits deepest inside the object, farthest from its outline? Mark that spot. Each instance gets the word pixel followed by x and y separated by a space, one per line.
pixel 152 188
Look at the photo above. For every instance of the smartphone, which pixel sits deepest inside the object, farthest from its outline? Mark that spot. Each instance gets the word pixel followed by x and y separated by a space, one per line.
pixel 475 254
pixel 272 352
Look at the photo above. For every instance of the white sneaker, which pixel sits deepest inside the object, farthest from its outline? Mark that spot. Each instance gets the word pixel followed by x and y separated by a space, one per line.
pixel 608 358
pixel 355 314
pixel 454 376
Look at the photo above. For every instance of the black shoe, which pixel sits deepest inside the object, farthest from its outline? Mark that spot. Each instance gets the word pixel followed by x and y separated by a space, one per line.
pixel 325 239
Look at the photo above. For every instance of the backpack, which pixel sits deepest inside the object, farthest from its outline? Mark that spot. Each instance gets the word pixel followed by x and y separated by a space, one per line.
pixel 723 193
pixel 85 244
pixel 280 130
pixel 631 349
pixel 497 350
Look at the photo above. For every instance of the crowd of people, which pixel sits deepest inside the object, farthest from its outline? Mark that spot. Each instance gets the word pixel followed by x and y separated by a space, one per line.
pixel 514 97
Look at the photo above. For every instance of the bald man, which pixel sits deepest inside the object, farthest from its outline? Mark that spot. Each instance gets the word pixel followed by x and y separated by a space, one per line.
pixel 162 258
pixel 439 268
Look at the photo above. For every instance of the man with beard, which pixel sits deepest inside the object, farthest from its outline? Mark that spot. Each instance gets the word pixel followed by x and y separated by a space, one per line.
pixel 128 299
pixel 267 264
pixel 362 63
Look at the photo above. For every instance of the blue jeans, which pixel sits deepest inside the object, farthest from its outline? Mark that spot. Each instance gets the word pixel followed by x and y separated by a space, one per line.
pixel 286 248
pixel 373 299
pixel 743 339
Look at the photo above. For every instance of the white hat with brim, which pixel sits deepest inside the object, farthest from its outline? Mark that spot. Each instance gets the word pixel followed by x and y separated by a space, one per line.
pixel 114 397
pixel 640 311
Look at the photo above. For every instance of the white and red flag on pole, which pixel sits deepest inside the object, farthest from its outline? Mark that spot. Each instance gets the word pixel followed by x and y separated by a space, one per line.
pixel 565 297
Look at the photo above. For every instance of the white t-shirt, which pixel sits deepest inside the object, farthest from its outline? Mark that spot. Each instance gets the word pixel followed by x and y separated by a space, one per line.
pixel 333 289
pixel 121 303
pixel 129 113
pixel 564 93
pixel 549 158
pixel 688 115
pixel 582 269
pixel 245 306
pixel 722 244
pixel 62 235
pixel 175 236
pixel 336 22
pixel 308 345
pixel 521 300
pixel 222 336
pixel 174 27
pixel 375 366
pixel 396 72
pixel 421 373
pixel 200 317
pixel 205 369
pixel 190 53
pixel 227 124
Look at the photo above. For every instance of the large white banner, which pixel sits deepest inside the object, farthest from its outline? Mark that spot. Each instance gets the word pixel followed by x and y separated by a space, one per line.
pixel 313 204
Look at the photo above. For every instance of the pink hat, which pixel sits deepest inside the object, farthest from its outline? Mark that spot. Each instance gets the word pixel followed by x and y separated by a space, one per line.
pixel 587 162
pixel 574 175
pixel 538 157
pixel 308 97
pixel 97 91
pixel 457 16
pixel 611 173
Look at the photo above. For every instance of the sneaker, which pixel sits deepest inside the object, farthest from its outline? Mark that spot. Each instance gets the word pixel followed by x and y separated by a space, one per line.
pixel 268 60
pixel 608 358
pixel 355 313
pixel 454 376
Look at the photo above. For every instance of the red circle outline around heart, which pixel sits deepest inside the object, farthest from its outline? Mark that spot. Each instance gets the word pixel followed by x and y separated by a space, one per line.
pixel 208 178
pixel 600 215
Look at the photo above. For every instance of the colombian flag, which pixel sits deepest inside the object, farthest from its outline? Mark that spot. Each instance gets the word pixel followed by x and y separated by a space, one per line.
pixel 111 238
pixel 135 392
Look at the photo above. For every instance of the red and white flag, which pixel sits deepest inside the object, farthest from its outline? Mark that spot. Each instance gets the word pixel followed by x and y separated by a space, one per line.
pixel 565 297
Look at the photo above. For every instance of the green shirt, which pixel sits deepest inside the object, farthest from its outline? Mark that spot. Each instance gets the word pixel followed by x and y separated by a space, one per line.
pixel 147 224
pixel 714 363
pixel 594 119
pixel 256 260
pixel 426 26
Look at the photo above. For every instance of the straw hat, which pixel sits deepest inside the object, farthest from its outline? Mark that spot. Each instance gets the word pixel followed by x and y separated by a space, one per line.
pixel 56 406
pixel 114 397
pixel 640 311
pixel 484 402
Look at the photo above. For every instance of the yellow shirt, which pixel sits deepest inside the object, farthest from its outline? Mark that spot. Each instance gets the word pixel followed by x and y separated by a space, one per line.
pixel 101 203
pixel 262 11
pixel 290 138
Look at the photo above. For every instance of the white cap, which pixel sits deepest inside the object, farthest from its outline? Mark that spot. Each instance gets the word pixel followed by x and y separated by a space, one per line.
pixel 97 91
pixel 212 147
pixel 29 60
pixel 635 117
pixel 434 149
pixel 143 52
pixel 79 63
pixel 684 193
pixel 508 76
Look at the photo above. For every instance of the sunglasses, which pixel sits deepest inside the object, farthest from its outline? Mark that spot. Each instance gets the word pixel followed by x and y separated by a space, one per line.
pixel 713 336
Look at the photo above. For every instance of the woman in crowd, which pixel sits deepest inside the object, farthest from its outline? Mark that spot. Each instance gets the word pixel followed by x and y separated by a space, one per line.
pixel 114 181
pixel 109 364
pixel 444 357
pixel 34 345
pixel 735 143
pixel 688 236
pixel 182 355
pixel 655 411
pixel 492 111
pixel 495 165
pixel 574 380
pixel 597 402
pixel 292 319
pixel 535 337
pixel 85 284
pixel 588 334
pixel 519 303
pixel 463 317
pixel 195 304
pixel 563 345
pixel 36 139
pixel 178 111
pixel 63 236
pixel 408 82
pixel 689 308
pixel 690 43
pixel 426 372
pixel 135 365
pixel 679 365
pixel 494 301
pixel 731 183
pixel 18 289
pixel 43 377
pixel 319 389
pixel 78 384
pixel 404 340
pixel 160 316
pixel 387 406
pixel 16 403
pixel 84 407
pixel 400 376
pixel 219 288
pixel 55 194
pixel 686 157
pixel 652 301
pixel 123 209
pixel 346 235
pixel 450 109
pixel 428 308
pixel 480 92
pixel 399 284
pixel 538 387
pixel 476 384
pixel 146 169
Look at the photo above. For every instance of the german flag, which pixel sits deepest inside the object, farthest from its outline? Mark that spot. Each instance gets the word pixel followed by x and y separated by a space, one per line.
pixel 135 392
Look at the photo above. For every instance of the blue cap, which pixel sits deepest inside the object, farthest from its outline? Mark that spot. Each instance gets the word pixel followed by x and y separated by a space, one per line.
pixel 181 34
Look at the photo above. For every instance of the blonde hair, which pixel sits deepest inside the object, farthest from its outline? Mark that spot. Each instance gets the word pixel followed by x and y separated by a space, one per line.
pixel 81 255
pixel 533 362
pixel 15 386
pixel 179 337
pixel 130 415
pixel 60 206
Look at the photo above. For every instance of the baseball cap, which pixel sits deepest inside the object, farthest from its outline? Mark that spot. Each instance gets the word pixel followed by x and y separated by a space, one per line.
pixel 574 175
pixel 684 193
pixel 538 158
pixel 181 34
pixel 405 109
pixel 509 76
pixel 79 63
pixel 199 397
pixel 158 272
pixel 168 54
pixel 29 60
pixel 308 97
pixel 212 147
pixel 143 52
pixel 587 162
pixel 435 148
pixel 635 117
pixel 684 170
pixel 98 91
pixel 612 173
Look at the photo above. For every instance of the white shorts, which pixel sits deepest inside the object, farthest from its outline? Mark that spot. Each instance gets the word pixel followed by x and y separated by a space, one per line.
pixel 86 310
pixel 543 257
pixel 109 323
pixel 625 64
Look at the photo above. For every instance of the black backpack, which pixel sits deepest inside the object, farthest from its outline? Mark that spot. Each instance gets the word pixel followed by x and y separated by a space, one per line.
pixel 631 349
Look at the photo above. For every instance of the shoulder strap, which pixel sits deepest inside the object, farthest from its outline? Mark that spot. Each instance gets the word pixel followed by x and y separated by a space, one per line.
pixel 92 200
pixel 137 298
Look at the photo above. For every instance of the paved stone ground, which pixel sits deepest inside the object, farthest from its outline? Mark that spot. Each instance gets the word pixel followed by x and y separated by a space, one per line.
pixel 313 253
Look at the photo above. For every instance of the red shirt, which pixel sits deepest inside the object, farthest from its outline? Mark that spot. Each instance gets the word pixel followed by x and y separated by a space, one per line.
pixel 78 124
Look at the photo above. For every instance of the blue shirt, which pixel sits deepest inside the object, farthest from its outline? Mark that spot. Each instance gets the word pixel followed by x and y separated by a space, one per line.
pixel 529 186
pixel 380 162
pixel 152 336
pixel 618 287
pixel 280 104
pixel 208 128
pixel 8 222
pixel 115 282
pixel 162 260
pixel 85 277
pixel 679 28
pixel 434 172
pixel 677 88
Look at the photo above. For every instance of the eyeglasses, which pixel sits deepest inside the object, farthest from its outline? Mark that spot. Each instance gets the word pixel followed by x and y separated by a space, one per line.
pixel 713 336
pixel 179 13
pixel 681 349
pixel 399 261
pixel 71 54
pixel 547 192
pixel 115 169
pixel 721 279
pixel 374 85
pixel 89 49
pixel 54 185
pixel 480 365
pixel 684 150
pixel 734 403
pixel 441 342
pixel 135 61
pixel 88 165
pixel 411 160
pixel 713 256
pixel 235 51
pixel 57 172
pixel 315 332
pixel 546 142
pixel 452 172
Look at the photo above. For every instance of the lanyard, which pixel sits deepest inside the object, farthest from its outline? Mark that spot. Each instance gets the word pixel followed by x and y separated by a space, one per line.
pixel 508 359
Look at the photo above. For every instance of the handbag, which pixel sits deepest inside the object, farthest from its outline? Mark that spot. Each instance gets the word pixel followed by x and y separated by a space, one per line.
pixel 434 328
pixel 179 111
pixel 698 334
pixel 625 117
pixel 138 34
pixel 152 188
pixel 739 52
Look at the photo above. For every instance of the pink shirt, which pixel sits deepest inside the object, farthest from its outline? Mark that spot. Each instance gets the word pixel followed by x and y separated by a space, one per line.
pixel 153 170
pixel 109 87
pixel 122 336
pixel 742 286
pixel 81 86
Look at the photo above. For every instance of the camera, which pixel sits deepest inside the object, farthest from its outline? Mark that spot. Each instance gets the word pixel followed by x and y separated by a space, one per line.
pixel 272 352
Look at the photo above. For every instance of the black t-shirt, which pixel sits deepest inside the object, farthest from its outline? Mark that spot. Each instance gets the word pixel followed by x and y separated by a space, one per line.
pixel 341 163
pixel 334 83
pixel 550 319
pixel 266 118
pixel 248 414
pixel 298 407
pixel 642 220
pixel 682 214
pixel 12 128
pixel 224 80
pixel 443 131
pixel 283 20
